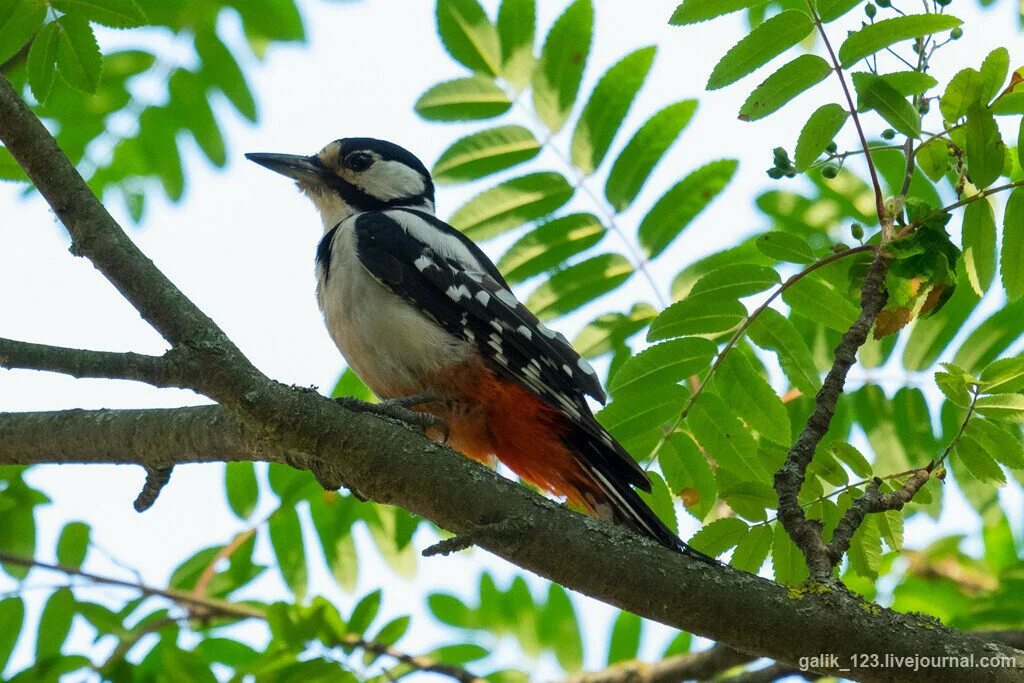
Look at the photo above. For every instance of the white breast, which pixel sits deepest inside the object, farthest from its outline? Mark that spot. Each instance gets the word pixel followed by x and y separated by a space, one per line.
pixel 387 342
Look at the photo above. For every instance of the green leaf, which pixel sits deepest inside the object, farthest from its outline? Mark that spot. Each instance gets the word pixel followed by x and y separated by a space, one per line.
pixel 785 246
pixel 821 301
pixel 241 488
pixel 718 536
pixel 688 475
pixel 42 61
pixel 268 20
pixel 611 330
pixel 559 70
pixel 890 526
pixel 559 628
pixel 696 315
pixel 717 430
pixel 73 544
pixel 189 103
pixel 773 332
pixel 12 619
pixel 752 398
pixel 908 83
pixel 852 458
pixel 468 35
pixel 364 613
pixel 485 152
pixel 19 21
pixel 666 363
pixel 694 11
pixel 549 245
pixel 991 337
pixel 997 442
pixel 933 159
pixel 830 10
pixel 463 99
pixel 286 540
pixel 624 643
pixel 78 55
pixel 1011 258
pixel 985 148
pixel 568 289
pixel 677 208
pixel 517 21
pixel 55 623
pixel 874 93
pixel 954 383
pixel 644 150
pixel 460 653
pixel 993 72
pixel 768 40
pixel 1002 407
pixel 882 34
pixel 450 610
pixel 753 549
pixel 1005 375
pixel 821 129
pixel 788 562
pixel 116 13
pixel 735 281
pixel 865 553
pixel 512 203
pixel 631 416
pixel 979 243
pixel 220 69
pixel 607 107
pixel 979 463
pixel 964 90
pixel 785 84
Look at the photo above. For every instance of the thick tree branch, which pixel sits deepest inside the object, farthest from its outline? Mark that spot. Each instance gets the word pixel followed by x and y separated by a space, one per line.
pixel 400 467
pixel 160 371
pixel 701 665
pixel 806 533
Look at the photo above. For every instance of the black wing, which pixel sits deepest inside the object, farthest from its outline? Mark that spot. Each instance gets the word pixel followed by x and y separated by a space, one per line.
pixel 475 306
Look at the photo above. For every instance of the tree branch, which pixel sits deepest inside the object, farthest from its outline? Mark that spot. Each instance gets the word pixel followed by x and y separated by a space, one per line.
pixel 397 466
pixel 199 606
pixel 160 371
pixel 789 479
pixel 701 665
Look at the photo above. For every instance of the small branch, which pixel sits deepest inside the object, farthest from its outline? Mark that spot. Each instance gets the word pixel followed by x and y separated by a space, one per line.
pixel 960 433
pixel 768 674
pixel 156 480
pixel 507 528
pixel 203 582
pixel 160 371
pixel 701 665
pixel 203 607
pixel 738 334
pixel 872 501
pixel 789 479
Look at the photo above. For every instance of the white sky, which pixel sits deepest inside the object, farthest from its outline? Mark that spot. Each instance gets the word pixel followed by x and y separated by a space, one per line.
pixel 241 246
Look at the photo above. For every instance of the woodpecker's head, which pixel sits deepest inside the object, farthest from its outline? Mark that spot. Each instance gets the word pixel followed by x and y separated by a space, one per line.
pixel 355 175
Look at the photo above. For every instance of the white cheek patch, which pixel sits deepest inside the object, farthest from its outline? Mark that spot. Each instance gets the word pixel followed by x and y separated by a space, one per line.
pixel 388 180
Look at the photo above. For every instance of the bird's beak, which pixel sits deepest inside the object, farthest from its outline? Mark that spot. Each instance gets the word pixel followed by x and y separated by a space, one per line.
pixel 302 168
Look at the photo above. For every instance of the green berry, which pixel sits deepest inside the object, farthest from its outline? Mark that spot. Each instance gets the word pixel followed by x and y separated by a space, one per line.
pixel 857 230
pixel 943 3
pixel 780 154
pixel 924 106
pixel 888 134
pixel 790 172
pixel 957 33
pixel 839 247
pixel 775 173
pixel 870 10
pixel 830 171
pixel 883 3
pixel 832 148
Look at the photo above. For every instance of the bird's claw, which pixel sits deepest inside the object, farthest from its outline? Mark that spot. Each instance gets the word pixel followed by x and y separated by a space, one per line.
pixel 401 409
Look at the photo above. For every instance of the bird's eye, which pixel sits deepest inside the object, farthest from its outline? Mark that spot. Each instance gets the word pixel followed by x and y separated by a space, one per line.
pixel 359 161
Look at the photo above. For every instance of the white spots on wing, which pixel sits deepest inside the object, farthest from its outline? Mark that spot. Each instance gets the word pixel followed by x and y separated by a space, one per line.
pixel 567 370
pixel 587 367
pixel 457 293
pixel 424 262
pixel 474 276
pixel 546 331
pixel 525 331
pixel 496 324
pixel 483 297
pixel 506 297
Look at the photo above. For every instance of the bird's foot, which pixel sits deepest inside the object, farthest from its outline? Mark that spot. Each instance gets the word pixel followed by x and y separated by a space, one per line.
pixel 401 409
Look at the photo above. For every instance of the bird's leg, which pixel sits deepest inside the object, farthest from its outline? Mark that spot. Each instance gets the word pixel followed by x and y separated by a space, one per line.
pixel 400 409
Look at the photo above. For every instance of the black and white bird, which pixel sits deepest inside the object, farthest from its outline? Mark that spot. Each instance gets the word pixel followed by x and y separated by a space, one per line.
pixel 426 320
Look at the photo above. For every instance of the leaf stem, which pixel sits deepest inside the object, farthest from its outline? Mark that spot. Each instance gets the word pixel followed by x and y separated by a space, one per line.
pixel 747 322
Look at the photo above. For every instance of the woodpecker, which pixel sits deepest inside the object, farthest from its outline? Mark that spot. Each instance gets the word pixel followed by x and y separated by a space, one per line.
pixel 425 319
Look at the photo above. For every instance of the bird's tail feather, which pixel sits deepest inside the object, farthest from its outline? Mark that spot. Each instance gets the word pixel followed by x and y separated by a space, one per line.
pixel 619 503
